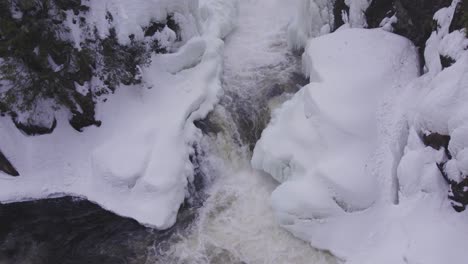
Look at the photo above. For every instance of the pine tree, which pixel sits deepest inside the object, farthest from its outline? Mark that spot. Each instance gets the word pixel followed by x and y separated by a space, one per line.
pixel 39 63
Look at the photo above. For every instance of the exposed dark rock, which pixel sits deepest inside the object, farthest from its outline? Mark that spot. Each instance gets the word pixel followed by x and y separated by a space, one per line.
pixel 208 127
pixel 338 8
pixel 109 17
pixel 32 130
pixel 460 18
pixel 446 61
pixel 86 117
pixel 172 24
pixel 378 10
pixel 197 195
pixel 436 140
pixel 82 120
pixel 441 168
pixel 6 166
pixel 458 191
pixel 459 194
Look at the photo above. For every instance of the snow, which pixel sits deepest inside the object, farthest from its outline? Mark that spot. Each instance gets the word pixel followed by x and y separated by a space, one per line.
pixel 357 179
pixel 441 109
pixel 417 170
pixel 387 23
pixel 219 17
pixel 354 175
pixel 356 14
pixel 333 118
pixel 442 40
pixel 42 115
pixel 315 17
pixel 137 163
pixel 129 17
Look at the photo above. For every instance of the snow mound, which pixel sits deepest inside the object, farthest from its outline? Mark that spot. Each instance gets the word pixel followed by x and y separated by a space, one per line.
pixel 137 163
pixel 328 130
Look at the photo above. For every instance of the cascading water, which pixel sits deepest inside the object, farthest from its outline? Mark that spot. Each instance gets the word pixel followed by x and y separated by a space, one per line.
pixel 232 222
pixel 236 224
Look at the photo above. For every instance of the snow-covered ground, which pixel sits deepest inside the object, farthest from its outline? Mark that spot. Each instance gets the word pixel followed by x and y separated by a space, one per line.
pixel 137 163
pixel 356 178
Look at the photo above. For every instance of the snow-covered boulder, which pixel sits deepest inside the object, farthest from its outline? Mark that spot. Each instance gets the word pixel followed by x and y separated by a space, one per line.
pixel 330 130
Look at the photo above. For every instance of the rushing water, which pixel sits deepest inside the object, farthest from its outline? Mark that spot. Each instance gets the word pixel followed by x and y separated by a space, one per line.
pixel 228 219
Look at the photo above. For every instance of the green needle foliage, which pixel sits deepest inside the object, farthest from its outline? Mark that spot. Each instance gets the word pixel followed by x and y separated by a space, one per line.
pixel 39 63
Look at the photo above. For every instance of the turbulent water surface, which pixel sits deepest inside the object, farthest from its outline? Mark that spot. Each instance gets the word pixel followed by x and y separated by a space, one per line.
pixel 230 220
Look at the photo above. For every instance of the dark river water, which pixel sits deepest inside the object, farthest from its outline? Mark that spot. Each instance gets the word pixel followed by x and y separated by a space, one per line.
pixel 71 230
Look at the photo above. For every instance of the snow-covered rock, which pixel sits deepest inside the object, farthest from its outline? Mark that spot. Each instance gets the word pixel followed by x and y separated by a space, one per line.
pixel 336 145
pixel 330 130
pixel 137 163
pixel 357 178
pixel 442 93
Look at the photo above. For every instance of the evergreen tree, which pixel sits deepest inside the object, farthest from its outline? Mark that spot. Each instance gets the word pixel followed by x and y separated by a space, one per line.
pixel 39 63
